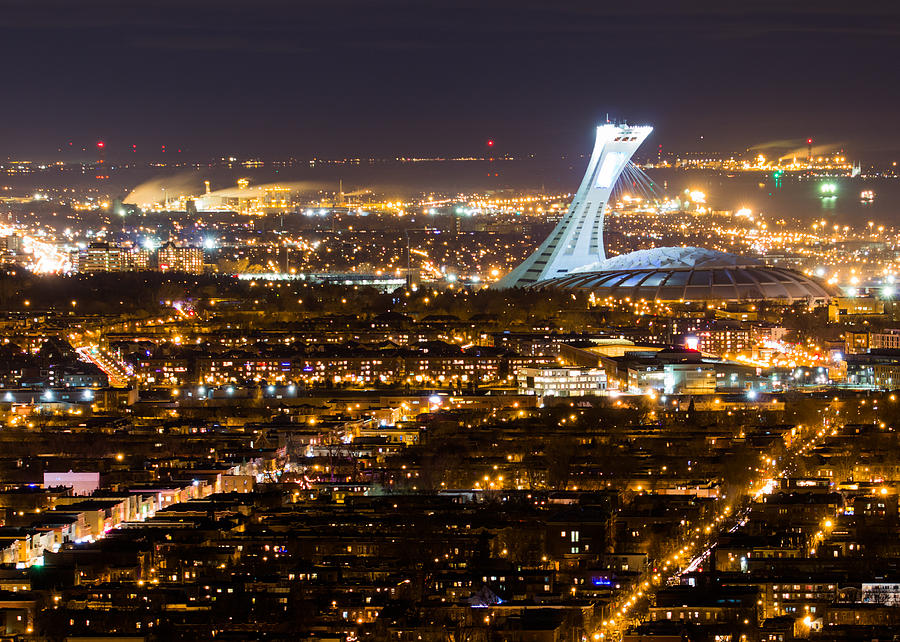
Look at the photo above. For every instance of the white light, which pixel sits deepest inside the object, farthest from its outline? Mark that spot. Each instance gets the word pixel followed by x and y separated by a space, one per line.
pixel 610 168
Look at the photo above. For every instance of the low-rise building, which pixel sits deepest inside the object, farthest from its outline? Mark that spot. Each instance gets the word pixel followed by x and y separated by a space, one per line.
pixel 561 382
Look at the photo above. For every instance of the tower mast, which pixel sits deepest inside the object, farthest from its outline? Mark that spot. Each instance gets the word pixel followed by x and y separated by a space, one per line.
pixel 577 240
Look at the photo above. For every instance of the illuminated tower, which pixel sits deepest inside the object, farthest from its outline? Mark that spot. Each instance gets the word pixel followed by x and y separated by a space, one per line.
pixel 577 240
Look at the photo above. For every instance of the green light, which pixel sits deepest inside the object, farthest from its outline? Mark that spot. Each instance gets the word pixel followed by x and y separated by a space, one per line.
pixel 828 188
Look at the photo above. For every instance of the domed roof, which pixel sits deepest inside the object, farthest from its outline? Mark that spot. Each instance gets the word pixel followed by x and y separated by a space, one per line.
pixel 670 257
pixel 691 274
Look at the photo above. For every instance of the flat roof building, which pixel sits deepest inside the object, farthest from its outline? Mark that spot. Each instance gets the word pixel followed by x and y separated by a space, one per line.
pixel 561 382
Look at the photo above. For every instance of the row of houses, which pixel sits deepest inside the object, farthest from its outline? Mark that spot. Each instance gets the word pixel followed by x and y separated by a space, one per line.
pixel 85 518
pixel 348 364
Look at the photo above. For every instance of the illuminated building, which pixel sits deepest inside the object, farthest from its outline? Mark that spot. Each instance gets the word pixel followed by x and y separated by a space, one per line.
pixel 102 257
pixel 693 274
pixel 860 342
pixel 171 371
pixel 246 199
pixel 242 184
pixel 139 259
pixel 673 378
pixel 276 198
pixel 577 239
pixel 572 257
pixel 560 382
pixel 839 308
pixel 350 364
pixel 180 259
pixel 878 370
pixel 720 338
pixel 12 243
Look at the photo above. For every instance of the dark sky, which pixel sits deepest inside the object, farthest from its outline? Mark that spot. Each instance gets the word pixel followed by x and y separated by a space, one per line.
pixel 429 77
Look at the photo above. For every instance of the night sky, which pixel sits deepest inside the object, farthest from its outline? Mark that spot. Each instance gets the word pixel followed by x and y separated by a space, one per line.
pixel 420 77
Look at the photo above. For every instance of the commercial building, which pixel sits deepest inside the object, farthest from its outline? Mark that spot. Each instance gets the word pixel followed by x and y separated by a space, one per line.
pixel 102 257
pixel 840 308
pixel 720 337
pixel 561 382
pixel 877 369
pixel 171 258
pixel 856 342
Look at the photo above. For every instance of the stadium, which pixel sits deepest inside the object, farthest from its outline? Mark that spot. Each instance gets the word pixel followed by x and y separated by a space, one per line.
pixel 691 274
pixel 573 256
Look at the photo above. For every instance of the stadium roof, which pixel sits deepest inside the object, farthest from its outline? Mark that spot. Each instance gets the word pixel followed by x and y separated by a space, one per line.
pixel 690 274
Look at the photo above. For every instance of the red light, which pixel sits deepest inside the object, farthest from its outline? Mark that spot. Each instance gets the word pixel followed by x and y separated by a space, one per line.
pixel 809 141
pixel 101 144
pixel 490 143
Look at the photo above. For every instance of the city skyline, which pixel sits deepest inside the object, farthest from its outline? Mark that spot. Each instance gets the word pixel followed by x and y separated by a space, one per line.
pixel 323 321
